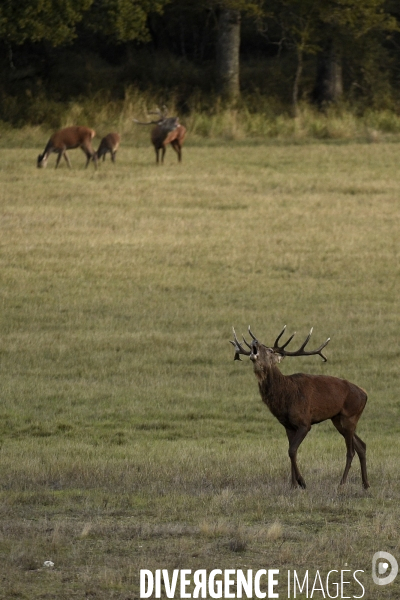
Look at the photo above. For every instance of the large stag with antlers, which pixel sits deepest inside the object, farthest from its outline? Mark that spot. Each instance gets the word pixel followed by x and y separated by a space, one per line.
pixel 299 401
pixel 167 130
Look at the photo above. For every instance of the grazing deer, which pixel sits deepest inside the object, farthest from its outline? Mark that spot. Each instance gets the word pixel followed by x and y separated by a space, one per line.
pixel 110 143
pixel 67 139
pixel 167 130
pixel 299 401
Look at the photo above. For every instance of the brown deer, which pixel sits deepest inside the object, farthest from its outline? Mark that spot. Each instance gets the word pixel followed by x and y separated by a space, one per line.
pixel 67 139
pixel 167 130
pixel 162 136
pixel 110 143
pixel 299 401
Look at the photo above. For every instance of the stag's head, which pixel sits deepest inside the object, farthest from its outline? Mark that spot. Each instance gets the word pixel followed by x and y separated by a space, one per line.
pixel 166 123
pixel 265 357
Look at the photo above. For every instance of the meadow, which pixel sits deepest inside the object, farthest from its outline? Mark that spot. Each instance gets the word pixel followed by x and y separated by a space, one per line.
pixel 130 439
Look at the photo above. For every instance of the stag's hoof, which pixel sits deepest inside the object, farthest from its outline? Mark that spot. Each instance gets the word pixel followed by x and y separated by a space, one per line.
pixel 299 483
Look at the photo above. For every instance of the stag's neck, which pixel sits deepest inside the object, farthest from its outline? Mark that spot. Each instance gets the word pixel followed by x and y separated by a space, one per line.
pixel 269 376
pixel 275 390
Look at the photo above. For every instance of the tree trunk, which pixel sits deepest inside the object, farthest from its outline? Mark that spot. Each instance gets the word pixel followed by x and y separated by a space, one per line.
pixel 299 70
pixel 228 54
pixel 329 82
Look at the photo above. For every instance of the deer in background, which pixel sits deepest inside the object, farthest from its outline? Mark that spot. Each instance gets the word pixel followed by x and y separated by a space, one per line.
pixel 167 130
pixel 68 139
pixel 299 401
pixel 110 143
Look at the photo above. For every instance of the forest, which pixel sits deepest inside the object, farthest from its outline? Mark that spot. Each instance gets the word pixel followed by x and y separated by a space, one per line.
pixel 198 55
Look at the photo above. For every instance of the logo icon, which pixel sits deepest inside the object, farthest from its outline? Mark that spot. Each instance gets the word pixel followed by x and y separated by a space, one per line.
pixel 381 561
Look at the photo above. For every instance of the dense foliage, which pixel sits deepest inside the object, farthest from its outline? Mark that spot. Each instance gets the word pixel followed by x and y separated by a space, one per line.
pixel 329 51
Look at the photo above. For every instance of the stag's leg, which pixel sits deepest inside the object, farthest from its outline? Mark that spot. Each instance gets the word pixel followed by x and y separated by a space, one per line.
pixel 113 156
pixel 295 438
pixel 290 434
pixel 346 428
pixel 177 147
pixel 361 449
pixel 349 456
pixel 164 149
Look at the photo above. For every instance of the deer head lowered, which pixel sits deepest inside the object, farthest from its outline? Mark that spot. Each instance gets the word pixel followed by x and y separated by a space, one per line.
pixel 67 139
pixel 299 401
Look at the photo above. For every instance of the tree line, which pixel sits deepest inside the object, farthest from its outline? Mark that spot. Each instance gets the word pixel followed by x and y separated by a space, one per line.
pixel 322 51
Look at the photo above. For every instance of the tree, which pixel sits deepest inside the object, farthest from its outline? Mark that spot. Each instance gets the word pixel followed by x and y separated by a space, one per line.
pixel 228 43
pixel 227 63
pixel 123 20
pixel 218 20
pixel 53 21
pixel 329 76
pixel 327 29
pixel 344 23
pixel 298 20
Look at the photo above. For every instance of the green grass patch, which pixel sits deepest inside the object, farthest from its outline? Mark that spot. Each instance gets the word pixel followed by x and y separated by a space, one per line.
pixel 129 437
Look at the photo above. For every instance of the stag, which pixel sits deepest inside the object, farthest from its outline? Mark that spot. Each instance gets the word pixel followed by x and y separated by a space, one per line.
pixel 67 139
pixel 109 143
pixel 299 401
pixel 167 130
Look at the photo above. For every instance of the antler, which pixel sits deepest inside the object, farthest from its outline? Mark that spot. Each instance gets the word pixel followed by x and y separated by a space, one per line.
pixel 301 351
pixel 163 113
pixel 238 346
pixel 161 116
pixel 167 124
pixel 146 123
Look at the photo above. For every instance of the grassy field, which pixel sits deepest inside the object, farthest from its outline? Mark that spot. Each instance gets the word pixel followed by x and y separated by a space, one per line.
pixel 129 438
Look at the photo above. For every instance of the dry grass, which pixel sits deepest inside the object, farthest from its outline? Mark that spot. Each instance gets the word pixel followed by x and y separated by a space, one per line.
pixel 129 438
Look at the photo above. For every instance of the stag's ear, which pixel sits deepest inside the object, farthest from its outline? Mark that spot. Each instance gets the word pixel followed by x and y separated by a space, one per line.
pixel 278 357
